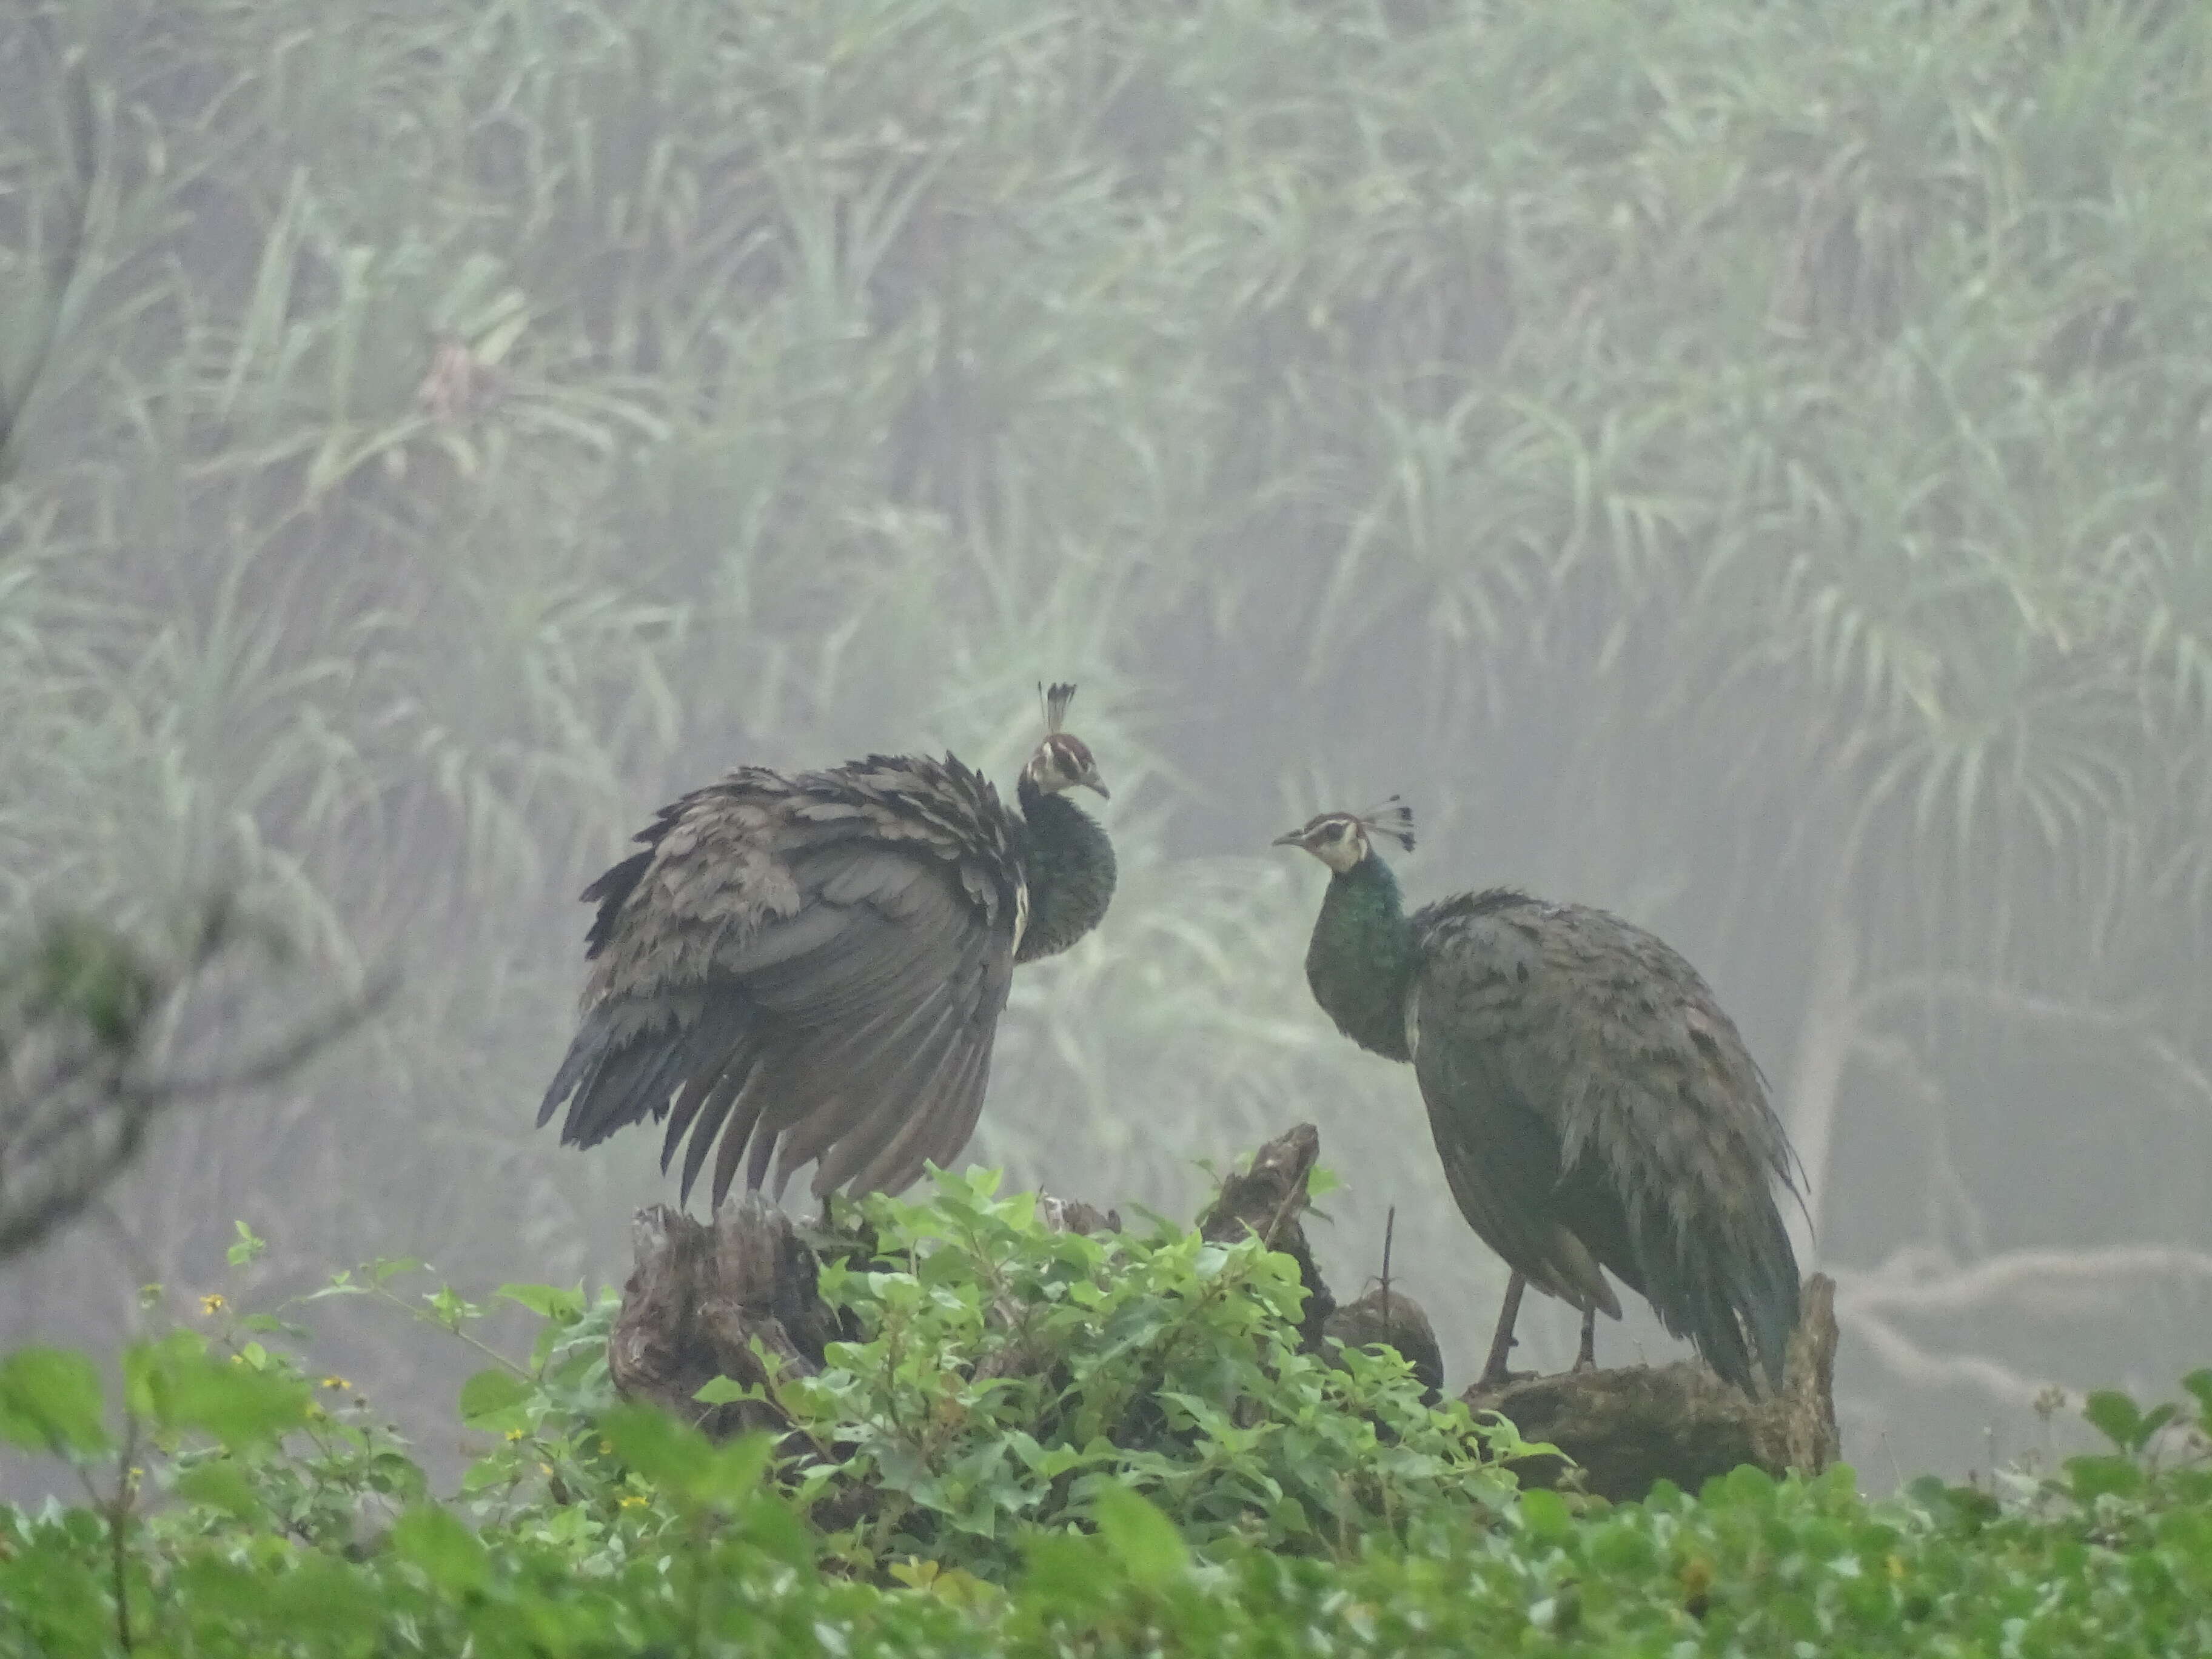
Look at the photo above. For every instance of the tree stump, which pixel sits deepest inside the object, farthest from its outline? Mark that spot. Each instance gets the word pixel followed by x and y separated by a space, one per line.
pixel 1268 1198
pixel 1635 1425
pixel 700 1295
pixel 1401 1324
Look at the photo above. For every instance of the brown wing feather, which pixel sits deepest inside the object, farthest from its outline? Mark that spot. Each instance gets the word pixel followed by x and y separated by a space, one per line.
pixel 1591 1085
pixel 810 966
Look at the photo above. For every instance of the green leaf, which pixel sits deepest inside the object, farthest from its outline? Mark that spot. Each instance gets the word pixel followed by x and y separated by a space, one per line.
pixel 2090 1478
pixel 50 1399
pixel 1545 1513
pixel 720 1391
pixel 448 1553
pixel 1746 1484
pixel 2199 1384
pixel 2115 1416
pixel 1144 1540
pixel 248 1246
pixel 220 1485
pixel 488 1392
pixel 736 1470
pixel 181 1385
pixel 665 1452
pixel 547 1301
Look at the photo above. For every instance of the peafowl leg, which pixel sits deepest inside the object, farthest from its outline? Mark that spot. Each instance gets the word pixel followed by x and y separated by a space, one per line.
pixel 1586 1355
pixel 1501 1344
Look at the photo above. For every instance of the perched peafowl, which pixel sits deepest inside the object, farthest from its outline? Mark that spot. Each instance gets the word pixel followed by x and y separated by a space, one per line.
pixel 814 965
pixel 1594 1107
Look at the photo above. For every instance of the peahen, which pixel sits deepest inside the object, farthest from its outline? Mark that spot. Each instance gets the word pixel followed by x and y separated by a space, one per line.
pixel 814 965
pixel 1595 1108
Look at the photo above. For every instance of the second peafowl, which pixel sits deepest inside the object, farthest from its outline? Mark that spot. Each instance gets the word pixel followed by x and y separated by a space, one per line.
pixel 1595 1111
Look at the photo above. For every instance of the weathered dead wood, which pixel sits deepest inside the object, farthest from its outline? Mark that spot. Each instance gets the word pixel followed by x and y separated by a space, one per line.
pixel 1631 1426
pixel 1400 1325
pixel 1068 1215
pixel 1268 1198
pixel 700 1295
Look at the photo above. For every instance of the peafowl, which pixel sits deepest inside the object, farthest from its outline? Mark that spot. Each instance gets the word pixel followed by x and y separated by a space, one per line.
pixel 813 965
pixel 1595 1108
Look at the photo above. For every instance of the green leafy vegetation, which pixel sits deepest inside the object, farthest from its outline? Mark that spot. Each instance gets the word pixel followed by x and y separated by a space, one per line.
pixel 1178 1480
pixel 1739 465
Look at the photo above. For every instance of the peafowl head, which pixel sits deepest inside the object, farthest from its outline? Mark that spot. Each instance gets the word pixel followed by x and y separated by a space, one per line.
pixel 1063 760
pixel 1343 840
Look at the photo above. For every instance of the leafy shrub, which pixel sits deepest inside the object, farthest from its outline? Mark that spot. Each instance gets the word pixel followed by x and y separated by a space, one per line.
pixel 1007 1373
pixel 1037 1443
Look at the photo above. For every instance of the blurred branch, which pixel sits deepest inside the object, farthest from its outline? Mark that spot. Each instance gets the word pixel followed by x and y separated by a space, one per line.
pixel 1916 1281
pixel 79 1010
pixel 1914 1363
pixel 2138 1025
pixel 66 73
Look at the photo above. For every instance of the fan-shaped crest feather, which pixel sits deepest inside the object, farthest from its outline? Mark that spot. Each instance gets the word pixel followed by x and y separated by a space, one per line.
pixel 1392 820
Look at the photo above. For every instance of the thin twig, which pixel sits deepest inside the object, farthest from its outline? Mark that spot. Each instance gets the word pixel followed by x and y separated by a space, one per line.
pixel 275 1064
pixel 69 257
pixel 1916 1364
pixel 1389 1227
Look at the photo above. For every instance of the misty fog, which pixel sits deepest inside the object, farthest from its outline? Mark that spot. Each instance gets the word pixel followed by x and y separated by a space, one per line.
pixel 1741 467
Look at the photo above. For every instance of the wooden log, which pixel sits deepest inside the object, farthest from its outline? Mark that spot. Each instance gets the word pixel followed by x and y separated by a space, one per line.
pixel 1399 1324
pixel 1630 1426
pixel 700 1295
pixel 1268 1198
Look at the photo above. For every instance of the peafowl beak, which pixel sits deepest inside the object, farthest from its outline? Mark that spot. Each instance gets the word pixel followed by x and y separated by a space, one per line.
pixel 1092 781
pixel 1293 838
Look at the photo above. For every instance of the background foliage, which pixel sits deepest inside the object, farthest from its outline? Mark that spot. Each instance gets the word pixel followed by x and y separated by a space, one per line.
pixel 1741 466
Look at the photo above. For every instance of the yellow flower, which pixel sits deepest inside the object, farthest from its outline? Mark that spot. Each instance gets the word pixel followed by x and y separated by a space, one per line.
pixel 606 1449
pixel 513 1435
pixel 545 1469
pixel 336 1383
pixel 631 1500
pixel 211 1304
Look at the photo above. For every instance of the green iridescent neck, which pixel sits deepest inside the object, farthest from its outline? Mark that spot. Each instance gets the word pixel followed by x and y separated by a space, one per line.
pixel 1360 963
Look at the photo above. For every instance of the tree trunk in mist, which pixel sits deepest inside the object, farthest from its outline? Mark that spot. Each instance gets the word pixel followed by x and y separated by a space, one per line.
pixel 699 1298
pixel 703 1293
